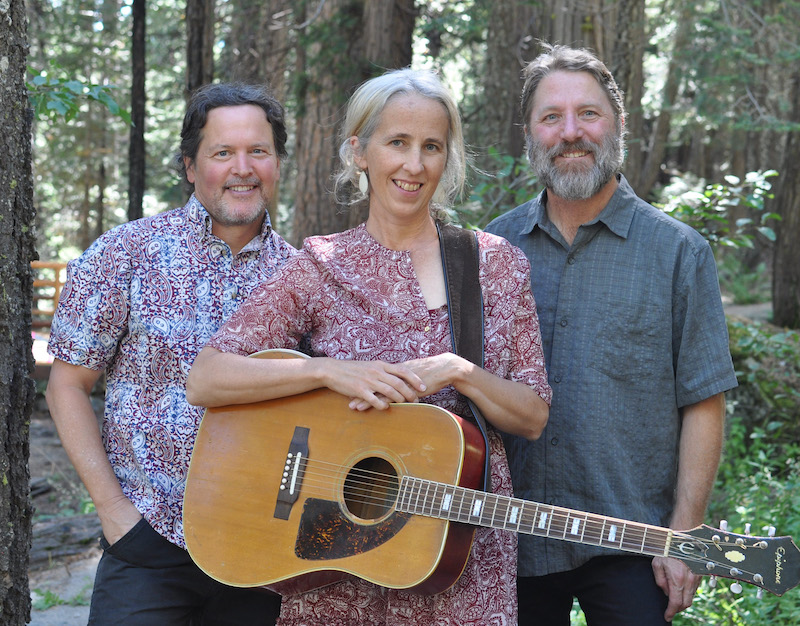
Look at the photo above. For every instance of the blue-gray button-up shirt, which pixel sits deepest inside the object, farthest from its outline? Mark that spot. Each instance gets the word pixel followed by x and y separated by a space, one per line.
pixel 633 330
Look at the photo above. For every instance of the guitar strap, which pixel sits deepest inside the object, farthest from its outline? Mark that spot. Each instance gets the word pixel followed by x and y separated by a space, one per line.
pixel 459 249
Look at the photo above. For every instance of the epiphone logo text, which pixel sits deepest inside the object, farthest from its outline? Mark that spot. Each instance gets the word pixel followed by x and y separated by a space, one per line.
pixel 779 554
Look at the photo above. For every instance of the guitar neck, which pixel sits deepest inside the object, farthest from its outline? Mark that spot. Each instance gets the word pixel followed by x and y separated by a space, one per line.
pixel 478 508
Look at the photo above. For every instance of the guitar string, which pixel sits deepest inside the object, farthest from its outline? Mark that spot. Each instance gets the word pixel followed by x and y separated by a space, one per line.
pixel 364 486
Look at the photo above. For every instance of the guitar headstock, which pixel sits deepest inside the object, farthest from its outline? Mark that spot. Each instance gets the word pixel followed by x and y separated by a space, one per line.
pixel 772 563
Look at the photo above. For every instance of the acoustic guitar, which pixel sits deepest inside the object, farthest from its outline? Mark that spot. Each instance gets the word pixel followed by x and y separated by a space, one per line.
pixel 299 492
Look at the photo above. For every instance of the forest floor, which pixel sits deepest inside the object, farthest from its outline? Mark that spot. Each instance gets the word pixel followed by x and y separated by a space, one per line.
pixel 65 549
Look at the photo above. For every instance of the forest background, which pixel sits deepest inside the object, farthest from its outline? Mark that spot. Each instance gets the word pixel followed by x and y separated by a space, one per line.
pixel 713 94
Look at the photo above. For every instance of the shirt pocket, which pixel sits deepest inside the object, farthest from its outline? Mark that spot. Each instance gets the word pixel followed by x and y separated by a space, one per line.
pixel 633 342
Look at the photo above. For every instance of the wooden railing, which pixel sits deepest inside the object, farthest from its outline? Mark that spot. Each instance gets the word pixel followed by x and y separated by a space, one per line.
pixel 47 283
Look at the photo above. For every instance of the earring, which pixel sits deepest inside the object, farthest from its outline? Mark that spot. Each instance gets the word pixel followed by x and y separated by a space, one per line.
pixel 363 183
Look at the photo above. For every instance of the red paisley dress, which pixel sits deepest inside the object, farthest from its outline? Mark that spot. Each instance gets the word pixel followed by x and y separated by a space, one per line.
pixel 355 299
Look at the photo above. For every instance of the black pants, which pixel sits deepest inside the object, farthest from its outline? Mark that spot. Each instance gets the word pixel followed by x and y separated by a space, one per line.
pixel 612 591
pixel 144 580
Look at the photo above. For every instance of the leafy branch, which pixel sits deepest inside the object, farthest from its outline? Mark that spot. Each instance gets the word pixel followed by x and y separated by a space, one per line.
pixel 708 211
pixel 52 98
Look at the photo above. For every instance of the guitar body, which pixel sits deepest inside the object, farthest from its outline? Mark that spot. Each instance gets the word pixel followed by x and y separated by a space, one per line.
pixel 253 516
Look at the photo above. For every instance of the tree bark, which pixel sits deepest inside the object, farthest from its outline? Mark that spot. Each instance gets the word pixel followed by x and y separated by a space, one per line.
pixel 199 44
pixel 626 64
pixel 388 33
pixel 136 146
pixel 261 53
pixel 16 360
pixel 332 61
pixel 507 52
pixel 786 272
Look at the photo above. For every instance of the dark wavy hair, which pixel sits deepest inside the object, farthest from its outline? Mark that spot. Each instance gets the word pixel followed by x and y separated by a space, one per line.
pixel 210 97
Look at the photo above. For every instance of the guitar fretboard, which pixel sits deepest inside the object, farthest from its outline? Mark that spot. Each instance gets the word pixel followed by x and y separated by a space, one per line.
pixel 457 504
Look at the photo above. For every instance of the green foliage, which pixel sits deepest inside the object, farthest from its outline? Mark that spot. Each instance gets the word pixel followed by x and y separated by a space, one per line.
pixel 509 183
pixel 743 285
pixel 709 211
pixel 53 98
pixel 759 478
pixel 767 360
pixel 44 599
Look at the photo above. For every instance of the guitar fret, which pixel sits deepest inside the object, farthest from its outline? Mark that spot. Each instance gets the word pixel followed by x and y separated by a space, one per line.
pixel 545 521
pixel 447 501
pixel 492 518
pixel 426 501
pixel 461 515
pixel 439 503
pixel 513 515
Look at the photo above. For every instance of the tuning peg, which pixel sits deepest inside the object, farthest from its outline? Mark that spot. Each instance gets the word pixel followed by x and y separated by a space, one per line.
pixel 736 588
pixel 747 529
pixel 759 594
pixel 723 525
pixel 771 531
pixel 712 581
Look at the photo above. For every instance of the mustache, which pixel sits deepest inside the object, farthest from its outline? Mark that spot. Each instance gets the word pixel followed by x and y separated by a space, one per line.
pixel 575 146
pixel 250 181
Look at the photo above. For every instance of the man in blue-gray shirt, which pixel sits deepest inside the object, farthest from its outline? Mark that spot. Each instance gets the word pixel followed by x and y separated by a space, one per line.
pixel 637 354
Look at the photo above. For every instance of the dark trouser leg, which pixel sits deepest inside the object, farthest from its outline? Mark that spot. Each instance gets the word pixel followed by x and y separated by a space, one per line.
pixel 622 591
pixel 612 591
pixel 143 579
pixel 544 600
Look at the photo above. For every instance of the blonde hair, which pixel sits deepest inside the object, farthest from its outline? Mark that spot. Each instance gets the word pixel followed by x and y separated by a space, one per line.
pixel 363 116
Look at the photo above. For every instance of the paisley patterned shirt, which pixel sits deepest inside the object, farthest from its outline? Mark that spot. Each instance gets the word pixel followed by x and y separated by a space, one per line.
pixel 355 299
pixel 140 304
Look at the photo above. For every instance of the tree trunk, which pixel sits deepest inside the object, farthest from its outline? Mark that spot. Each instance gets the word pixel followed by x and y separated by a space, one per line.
pixel 388 33
pixel 626 64
pixel 136 147
pixel 199 44
pixel 507 52
pixel 16 360
pixel 786 272
pixel 578 23
pixel 260 53
pixel 333 58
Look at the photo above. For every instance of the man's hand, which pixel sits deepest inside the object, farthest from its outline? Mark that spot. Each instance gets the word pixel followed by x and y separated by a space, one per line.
pixel 117 518
pixel 678 583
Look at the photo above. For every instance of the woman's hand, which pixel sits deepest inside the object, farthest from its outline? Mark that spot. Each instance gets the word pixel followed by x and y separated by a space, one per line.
pixel 510 406
pixel 373 384
pixel 434 372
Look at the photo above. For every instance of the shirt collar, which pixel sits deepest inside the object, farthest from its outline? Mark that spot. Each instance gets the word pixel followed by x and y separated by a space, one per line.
pixel 617 215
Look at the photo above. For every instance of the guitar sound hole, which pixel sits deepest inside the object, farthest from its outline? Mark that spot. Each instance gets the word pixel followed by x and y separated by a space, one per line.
pixel 370 489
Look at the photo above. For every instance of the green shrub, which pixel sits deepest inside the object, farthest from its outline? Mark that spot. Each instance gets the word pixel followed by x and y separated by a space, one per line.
pixel 759 478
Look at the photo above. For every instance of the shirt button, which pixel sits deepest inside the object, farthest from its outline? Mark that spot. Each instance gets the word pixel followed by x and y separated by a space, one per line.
pixel 571 260
pixel 563 321
pixel 554 441
pixel 427 328
pixel 557 378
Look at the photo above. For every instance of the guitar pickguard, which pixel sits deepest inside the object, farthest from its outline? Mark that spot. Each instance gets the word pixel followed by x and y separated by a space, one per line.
pixel 325 533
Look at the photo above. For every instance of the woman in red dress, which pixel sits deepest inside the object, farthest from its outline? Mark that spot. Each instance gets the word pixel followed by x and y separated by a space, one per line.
pixel 371 303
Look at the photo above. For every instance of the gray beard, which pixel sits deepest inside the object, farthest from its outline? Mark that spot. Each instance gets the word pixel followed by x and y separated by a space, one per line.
pixel 576 185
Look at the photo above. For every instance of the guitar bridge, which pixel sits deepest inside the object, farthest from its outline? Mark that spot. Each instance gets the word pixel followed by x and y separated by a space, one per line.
pixel 292 475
